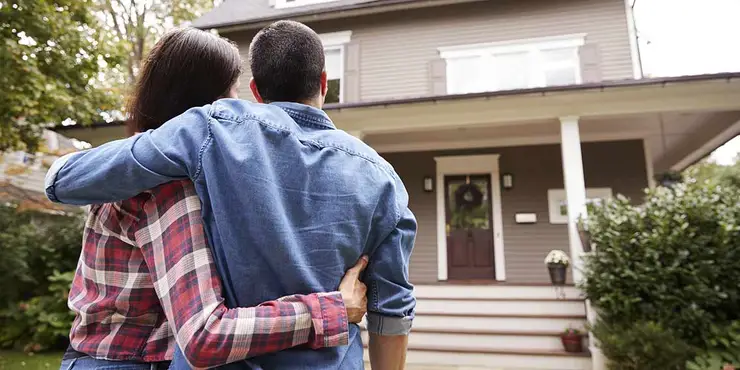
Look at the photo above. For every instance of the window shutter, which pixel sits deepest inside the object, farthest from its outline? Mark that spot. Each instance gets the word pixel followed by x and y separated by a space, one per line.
pixel 437 77
pixel 351 91
pixel 590 63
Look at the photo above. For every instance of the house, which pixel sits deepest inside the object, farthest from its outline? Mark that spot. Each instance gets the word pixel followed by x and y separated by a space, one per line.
pixel 22 175
pixel 494 113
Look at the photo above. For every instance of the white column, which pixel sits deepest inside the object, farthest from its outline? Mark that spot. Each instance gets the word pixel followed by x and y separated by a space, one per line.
pixel 575 187
pixel 575 190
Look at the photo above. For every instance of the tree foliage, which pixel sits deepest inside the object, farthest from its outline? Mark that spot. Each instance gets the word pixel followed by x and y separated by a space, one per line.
pixel 75 59
pixel 137 24
pixel 51 54
pixel 725 175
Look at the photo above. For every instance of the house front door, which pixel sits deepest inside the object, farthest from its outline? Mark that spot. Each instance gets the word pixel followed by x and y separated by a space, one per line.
pixel 470 253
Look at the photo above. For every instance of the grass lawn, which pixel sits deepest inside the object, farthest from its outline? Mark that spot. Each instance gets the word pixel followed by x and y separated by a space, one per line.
pixel 22 361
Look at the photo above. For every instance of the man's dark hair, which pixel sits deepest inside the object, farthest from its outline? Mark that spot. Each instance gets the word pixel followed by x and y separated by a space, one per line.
pixel 287 59
pixel 186 68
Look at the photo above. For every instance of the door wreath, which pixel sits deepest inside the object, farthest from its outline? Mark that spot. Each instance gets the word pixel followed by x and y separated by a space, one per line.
pixel 468 197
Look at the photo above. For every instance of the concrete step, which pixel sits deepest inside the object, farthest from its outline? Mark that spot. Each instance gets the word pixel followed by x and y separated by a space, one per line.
pixel 483 340
pixel 497 307
pixel 432 358
pixel 495 292
pixel 511 323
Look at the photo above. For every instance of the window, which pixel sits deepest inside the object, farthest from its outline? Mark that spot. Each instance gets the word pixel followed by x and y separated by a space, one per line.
pixel 558 203
pixel 513 65
pixel 334 47
pixel 279 4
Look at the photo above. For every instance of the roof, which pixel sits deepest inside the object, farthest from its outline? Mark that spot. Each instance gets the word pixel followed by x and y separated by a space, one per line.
pixel 487 94
pixel 32 200
pixel 244 13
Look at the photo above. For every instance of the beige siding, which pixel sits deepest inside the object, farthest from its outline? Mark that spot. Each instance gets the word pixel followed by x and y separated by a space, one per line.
pixel 397 49
pixel 535 169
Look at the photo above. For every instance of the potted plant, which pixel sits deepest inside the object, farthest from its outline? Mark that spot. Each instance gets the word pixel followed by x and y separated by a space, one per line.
pixel 585 237
pixel 557 263
pixel 572 340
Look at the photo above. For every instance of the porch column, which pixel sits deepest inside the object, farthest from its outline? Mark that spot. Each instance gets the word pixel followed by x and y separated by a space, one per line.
pixel 575 188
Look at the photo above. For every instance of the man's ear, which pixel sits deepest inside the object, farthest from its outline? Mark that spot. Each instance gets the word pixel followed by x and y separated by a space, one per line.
pixel 255 92
pixel 324 85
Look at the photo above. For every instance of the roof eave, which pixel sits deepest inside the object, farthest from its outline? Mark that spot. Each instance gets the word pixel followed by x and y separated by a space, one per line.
pixel 345 11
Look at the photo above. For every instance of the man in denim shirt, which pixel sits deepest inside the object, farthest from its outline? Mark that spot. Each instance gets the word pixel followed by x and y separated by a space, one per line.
pixel 289 201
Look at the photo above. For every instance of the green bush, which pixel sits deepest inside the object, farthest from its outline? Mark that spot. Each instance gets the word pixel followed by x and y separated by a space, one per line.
pixel 42 322
pixel 725 350
pixel 40 253
pixel 672 262
pixel 641 345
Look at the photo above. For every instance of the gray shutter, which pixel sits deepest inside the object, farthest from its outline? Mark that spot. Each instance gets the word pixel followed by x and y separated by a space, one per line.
pixel 590 63
pixel 437 77
pixel 351 76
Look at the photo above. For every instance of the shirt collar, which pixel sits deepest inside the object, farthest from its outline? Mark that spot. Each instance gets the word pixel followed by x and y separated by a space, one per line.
pixel 306 114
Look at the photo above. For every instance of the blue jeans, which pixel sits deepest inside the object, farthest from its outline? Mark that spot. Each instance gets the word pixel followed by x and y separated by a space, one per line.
pixel 89 363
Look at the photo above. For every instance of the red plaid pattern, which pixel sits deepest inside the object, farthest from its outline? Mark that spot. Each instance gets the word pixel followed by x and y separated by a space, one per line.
pixel 145 272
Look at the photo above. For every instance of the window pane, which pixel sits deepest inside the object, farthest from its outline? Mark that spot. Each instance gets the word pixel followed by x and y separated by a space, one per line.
pixel 511 71
pixel 464 75
pixel 560 76
pixel 332 93
pixel 559 55
pixel 333 59
pixel 333 62
pixel 559 66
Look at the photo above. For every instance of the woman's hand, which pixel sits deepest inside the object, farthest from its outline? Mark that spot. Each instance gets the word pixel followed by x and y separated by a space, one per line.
pixel 354 292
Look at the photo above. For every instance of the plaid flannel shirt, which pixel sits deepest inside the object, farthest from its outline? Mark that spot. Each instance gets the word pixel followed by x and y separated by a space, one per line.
pixel 145 272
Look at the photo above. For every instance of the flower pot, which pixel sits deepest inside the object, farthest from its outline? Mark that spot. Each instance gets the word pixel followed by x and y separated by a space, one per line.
pixel 572 343
pixel 585 237
pixel 558 273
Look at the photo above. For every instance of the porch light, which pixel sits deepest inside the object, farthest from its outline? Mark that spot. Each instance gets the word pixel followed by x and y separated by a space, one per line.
pixel 507 181
pixel 428 184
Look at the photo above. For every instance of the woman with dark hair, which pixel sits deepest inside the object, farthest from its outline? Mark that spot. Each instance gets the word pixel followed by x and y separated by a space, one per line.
pixel 146 282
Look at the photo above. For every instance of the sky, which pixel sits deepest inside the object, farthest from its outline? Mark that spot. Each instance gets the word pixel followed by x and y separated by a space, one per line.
pixel 689 37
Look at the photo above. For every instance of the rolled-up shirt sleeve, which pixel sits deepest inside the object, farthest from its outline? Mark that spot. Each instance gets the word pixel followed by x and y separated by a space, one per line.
pixel 121 169
pixel 391 301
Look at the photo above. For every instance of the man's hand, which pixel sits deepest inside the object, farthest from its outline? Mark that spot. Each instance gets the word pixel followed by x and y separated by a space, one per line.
pixel 354 292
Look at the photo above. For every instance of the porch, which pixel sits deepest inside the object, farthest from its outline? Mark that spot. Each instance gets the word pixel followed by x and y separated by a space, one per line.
pixel 549 145
pixel 535 158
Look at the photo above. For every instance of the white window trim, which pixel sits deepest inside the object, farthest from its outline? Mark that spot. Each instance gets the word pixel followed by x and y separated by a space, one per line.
pixel 282 4
pixel 555 196
pixel 512 46
pixel 333 39
pixel 532 46
pixel 466 165
pixel 338 41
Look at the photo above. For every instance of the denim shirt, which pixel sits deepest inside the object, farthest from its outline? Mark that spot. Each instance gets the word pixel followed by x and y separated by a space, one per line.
pixel 289 203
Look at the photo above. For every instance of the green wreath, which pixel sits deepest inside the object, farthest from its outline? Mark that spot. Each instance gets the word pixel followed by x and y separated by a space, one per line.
pixel 468 197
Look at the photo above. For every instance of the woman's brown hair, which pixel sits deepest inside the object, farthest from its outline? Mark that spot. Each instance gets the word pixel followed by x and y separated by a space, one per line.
pixel 186 68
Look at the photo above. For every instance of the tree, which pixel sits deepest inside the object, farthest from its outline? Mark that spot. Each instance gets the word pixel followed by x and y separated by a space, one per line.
pixel 51 56
pixel 75 59
pixel 137 24
pixel 707 170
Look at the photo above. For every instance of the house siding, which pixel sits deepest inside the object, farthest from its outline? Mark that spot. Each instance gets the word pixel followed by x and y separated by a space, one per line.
pixel 535 170
pixel 397 50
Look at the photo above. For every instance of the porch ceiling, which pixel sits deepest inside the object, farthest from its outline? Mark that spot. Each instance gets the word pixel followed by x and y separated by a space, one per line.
pixel 698 94
pixel 669 137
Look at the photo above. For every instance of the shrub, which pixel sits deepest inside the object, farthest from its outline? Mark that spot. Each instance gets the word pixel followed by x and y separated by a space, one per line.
pixel 40 253
pixel 42 322
pixel 672 262
pixel 641 345
pixel 725 350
